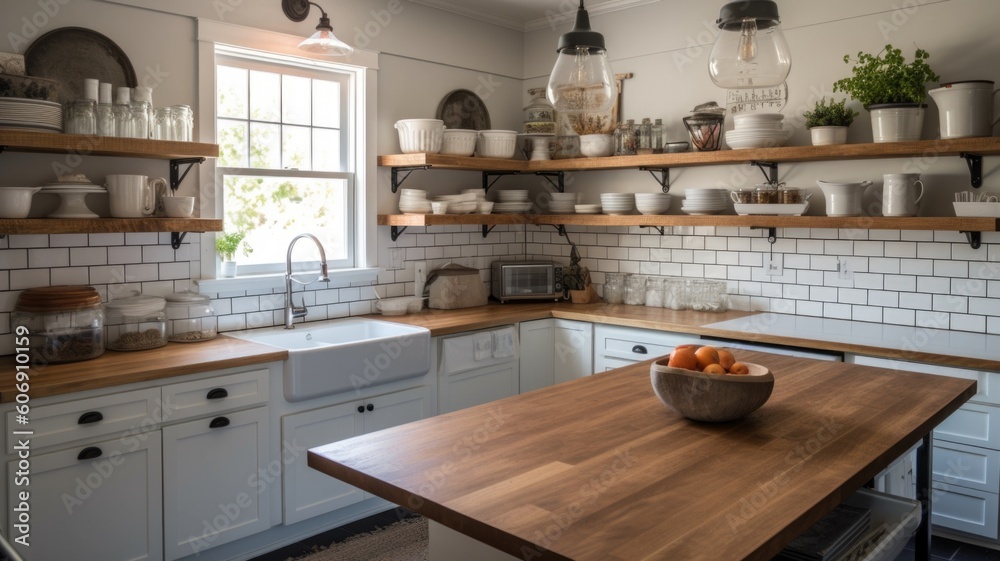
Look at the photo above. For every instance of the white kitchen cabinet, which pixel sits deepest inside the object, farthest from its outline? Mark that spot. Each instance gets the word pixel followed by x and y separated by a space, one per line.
pixel 471 370
pixel 554 351
pixel 616 346
pixel 309 493
pixel 96 501
pixel 574 350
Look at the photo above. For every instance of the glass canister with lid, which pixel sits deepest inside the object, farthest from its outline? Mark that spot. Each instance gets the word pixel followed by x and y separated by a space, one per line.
pixel 62 323
pixel 136 323
pixel 190 318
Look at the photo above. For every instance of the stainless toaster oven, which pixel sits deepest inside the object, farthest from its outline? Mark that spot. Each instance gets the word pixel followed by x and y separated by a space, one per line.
pixel 527 280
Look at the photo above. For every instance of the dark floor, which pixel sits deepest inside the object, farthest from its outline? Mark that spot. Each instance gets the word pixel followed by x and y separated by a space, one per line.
pixel 943 549
pixel 340 534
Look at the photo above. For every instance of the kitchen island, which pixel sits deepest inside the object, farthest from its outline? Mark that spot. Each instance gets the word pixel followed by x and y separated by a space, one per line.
pixel 598 468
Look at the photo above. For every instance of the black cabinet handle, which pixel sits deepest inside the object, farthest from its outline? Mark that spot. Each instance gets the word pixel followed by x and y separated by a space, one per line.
pixel 361 408
pixel 218 393
pixel 89 453
pixel 90 417
pixel 218 423
pixel 370 407
pixel 639 349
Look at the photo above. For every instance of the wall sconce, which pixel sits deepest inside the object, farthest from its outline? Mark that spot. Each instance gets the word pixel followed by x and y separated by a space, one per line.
pixel 581 79
pixel 751 50
pixel 323 41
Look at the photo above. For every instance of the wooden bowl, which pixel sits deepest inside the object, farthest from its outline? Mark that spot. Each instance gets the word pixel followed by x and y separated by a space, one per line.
pixel 711 397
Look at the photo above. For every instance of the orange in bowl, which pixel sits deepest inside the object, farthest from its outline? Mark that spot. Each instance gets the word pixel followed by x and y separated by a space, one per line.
pixel 701 396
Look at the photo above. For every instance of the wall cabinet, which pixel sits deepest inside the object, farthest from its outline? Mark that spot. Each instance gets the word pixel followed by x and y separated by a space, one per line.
pixel 554 351
pixel 616 346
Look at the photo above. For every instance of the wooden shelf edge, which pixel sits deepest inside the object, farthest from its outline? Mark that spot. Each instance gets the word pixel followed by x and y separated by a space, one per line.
pixel 46 142
pixel 20 226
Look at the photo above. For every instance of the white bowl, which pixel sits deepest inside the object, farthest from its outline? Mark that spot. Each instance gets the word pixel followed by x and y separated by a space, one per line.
pixel 484 207
pixel 420 135
pixel 439 207
pixel 496 144
pixel 459 142
pixel 463 198
pixel 15 202
pixel 756 119
pixel 399 306
pixel 413 193
pixel 178 207
pixel 597 145
pixel 462 207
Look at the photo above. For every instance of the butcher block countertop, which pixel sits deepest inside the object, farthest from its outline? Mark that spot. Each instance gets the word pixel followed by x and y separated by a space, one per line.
pixel 610 473
pixel 115 368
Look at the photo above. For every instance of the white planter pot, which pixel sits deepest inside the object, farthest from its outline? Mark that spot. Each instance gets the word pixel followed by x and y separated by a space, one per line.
pixel 228 269
pixel 824 136
pixel 897 122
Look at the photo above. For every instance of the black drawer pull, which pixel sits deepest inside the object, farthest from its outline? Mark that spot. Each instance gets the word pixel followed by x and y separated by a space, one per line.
pixel 361 408
pixel 218 393
pixel 370 407
pixel 89 453
pixel 639 350
pixel 218 423
pixel 90 417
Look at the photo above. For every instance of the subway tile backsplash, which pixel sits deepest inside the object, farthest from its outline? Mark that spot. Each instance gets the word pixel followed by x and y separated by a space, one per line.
pixel 913 278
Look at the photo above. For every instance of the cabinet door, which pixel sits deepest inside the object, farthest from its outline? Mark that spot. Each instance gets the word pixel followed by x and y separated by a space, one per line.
pixel 968 466
pixel 475 387
pixel 107 507
pixel 307 492
pixel 574 350
pixel 965 510
pixel 213 490
pixel 537 366
pixel 394 409
pixel 974 424
pixel 616 346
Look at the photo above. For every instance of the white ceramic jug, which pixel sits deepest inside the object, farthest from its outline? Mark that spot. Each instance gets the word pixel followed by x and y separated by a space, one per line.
pixel 965 108
pixel 899 197
pixel 843 198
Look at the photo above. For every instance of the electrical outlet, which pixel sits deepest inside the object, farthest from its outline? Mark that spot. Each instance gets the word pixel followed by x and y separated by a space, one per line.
pixel 773 266
pixel 419 277
pixel 844 272
pixel 395 258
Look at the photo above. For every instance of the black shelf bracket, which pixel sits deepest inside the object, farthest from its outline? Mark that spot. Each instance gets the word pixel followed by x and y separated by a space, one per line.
pixel 772 170
pixel 496 177
pixel 488 229
pixel 559 228
pixel 2 148
pixel 176 238
pixel 396 231
pixel 975 239
pixel 659 229
pixel 772 233
pixel 975 162
pixel 396 181
pixel 663 179
pixel 175 170
pixel 559 184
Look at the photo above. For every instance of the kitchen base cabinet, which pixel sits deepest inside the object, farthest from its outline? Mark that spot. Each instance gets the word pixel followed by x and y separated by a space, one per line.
pixel 103 497
pixel 554 351
pixel 616 346
pixel 212 490
pixel 473 370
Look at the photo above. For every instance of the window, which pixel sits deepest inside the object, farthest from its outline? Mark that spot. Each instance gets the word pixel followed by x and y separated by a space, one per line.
pixel 287 140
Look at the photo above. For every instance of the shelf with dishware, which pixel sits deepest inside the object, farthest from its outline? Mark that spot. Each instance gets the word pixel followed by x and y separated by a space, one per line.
pixel 47 142
pixel 21 226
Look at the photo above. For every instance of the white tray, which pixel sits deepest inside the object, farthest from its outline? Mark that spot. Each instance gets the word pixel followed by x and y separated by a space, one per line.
pixel 773 209
pixel 988 210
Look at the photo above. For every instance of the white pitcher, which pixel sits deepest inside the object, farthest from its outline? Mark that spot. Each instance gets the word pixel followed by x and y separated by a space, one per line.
pixel 899 196
pixel 843 198
pixel 965 108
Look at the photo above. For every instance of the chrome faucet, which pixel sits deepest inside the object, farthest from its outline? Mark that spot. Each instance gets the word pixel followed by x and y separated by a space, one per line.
pixel 292 311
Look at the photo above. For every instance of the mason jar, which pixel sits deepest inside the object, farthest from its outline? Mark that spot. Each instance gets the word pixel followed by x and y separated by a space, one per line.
pixel 190 318
pixel 136 323
pixel 614 288
pixel 61 323
pixel 635 290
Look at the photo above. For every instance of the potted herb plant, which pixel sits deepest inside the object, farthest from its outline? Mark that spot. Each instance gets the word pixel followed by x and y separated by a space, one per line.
pixel 892 90
pixel 827 123
pixel 576 280
pixel 226 245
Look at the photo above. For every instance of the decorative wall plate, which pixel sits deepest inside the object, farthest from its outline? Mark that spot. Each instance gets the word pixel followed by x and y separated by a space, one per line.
pixel 463 109
pixel 70 54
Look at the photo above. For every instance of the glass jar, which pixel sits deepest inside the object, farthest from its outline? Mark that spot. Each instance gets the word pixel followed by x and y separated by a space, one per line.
pixel 628 139
pixel 182 122
pixel 654 292
pixel 657 132
pixel 791 196
pixel 539 109
pixel 136 323
pixel 635 290
pixel 707 295
pixel 766 194
pixel 62 323
pixel 161 126
pixel 743 196
pixel 675 294
pixel 645 137
pixel 122 110
pixel 190 318
pixel 81 117
pixel 614 288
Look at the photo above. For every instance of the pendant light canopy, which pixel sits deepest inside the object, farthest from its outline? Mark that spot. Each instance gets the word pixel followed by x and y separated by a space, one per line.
pixel 323 41
pixel 751 50
pixel 581 80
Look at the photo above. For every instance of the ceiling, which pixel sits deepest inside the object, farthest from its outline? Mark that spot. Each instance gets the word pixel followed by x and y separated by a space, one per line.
pixel 528 15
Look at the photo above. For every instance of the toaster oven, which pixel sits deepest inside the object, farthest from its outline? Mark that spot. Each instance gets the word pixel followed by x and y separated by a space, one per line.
pixel 527 280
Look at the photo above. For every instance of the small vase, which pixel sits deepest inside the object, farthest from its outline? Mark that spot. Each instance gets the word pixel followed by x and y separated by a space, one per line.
pixel 825 136
pixel 897 122
pixel 228 269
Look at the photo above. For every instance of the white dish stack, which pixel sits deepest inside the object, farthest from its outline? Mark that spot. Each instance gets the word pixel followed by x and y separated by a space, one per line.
pixel 705 201
pixel 617 203
pixel 653 203
pixel 459 204
pixel 563 203
pixel 414 201
pixel 512 201
pixel 757 130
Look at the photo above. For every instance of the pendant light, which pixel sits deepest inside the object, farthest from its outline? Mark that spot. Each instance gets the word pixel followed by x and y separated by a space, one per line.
pixel 751 51
pixel 581 80
pixel 323 41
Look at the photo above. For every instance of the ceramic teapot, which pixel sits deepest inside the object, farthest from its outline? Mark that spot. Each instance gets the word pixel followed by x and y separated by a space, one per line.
pixel 843 198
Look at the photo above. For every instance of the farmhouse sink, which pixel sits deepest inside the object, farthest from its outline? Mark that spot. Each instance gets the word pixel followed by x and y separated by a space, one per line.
pixel 346 355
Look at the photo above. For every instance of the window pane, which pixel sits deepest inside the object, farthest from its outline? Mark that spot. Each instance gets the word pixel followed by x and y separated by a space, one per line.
pixel 232 143
pixel 326 104
pixel 274 210
pixel 232 100
pixel 295 108
pixel 265 96
pixel 326 150
pixel 265 145
pixel 296 151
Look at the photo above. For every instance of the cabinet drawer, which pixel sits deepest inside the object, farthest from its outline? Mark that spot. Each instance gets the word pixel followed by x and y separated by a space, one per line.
pixel 71 421
pixel 974 424
pixel 966 510
pixel 214 395
pixel 636 344
pixel 968 466
pixel 987 383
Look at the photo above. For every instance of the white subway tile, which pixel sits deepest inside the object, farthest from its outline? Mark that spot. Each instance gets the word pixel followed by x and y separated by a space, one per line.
pixel 806 308
pixel 916 235
pixel 898 316
pixel 716 272
pixel 933 320
pixel 968 287
pixel 839 247
pixel 157 288
pixel 837 311
pixel 236 322
pixel 933 251
pixel 782 306
pixel 361 308
pixel 246 304
pixel 950 303
pixel 28 241
pixel 901 249
pixel 985 306
pixel 984 270
pixel 256 320
pixel 727 258
pixel 28 278
pixel 706 257
pixel 852 296
pixel 948 236
pixel 809 247
pixel 693 242
pixel 884 265
pixel 964 252
pixel 670 242
pixel 726 231
pixel 824 262
pixel 795 292
pixel 738 244
pixel 797 233
pixel 110 274
pixel 750 288
pixel 866 313
pixel 869 249
pixel 884 235
pixel 682 256
pixel 124 254
pixel 869 281
pixel 142 273
pixel 70 276
pixel 14 258
pixel 916 267
pixel 825 233
pixel 670 269
pixel 758 304
pixel 951 269
pixel 717 244
pixel 771 290
pixel 883 298
pixel 823 293
pixel 796 261
pixel 175 271
pixel 993 326
pixel 809 277
pixel 5 280
pixel 108 239
pixel 141 238
pixel 933 285
pixel 68 240
pixel 86 256
pixel 752 259
pixel 853 234
pixel 760 245
pixel 915 300
pixel 157 254
pixel 638 254
pixel 963 322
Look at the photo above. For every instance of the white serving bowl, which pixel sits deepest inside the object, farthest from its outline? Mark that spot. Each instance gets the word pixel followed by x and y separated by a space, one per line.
pixel 484 207
pixel 15 202
pixel 420 135
pixel 440 207
pixel 459 142
pixel 399 306
pixel 597 145
pixel 178 207
pixel 462 207
pixel 496 144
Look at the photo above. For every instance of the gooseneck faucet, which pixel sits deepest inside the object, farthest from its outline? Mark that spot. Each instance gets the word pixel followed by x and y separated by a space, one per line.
pixel 292 311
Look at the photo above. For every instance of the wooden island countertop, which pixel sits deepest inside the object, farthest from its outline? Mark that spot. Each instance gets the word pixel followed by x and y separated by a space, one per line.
pixel 599 469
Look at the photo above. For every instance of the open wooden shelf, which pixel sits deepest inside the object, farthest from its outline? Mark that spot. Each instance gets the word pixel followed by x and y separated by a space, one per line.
pixel 49 142
pixel 16 226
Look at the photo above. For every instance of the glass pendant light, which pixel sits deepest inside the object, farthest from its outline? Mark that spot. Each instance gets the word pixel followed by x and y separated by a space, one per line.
pixel 323 41
pixel 581 80
pixel 751 51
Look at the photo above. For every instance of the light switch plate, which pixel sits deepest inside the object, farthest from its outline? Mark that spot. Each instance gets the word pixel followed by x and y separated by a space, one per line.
pixel 419 277
pixel 773 265
pixel 395 258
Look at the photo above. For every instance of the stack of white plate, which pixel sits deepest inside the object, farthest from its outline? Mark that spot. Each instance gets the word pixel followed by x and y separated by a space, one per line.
pixel 617 203
pixel 30 114
pixel 512 201
pixel 652 203
pixel 563 203
pixel 705 201
pixel 414 201
pixel 73 198
pixel 588 209
pixel 459 204
pixel 757 130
